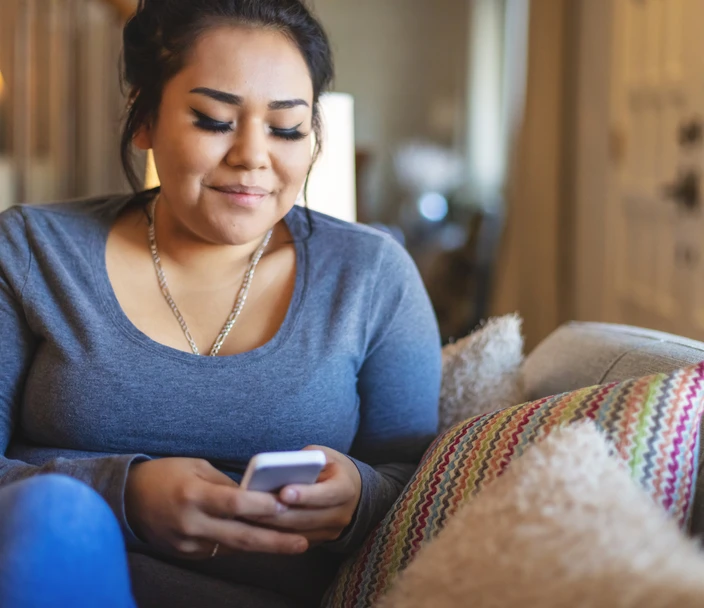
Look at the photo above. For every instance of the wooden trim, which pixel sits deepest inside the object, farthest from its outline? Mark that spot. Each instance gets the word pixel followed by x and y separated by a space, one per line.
pixel 125 8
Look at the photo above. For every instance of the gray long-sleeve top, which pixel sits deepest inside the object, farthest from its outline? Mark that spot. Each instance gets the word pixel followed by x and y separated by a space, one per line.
pixel 355 365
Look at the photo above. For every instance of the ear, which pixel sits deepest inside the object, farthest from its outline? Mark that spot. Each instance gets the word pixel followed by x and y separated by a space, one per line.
pixel 143 138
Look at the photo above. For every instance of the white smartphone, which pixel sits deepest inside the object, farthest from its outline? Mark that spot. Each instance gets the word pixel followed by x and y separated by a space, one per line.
pixel 271 471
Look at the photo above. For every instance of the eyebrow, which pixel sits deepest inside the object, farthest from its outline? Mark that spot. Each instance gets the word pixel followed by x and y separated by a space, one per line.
pixel 236 100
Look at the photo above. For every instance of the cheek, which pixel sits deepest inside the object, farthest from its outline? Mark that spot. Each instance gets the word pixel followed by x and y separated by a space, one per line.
pixel 291 163
pixel 191 155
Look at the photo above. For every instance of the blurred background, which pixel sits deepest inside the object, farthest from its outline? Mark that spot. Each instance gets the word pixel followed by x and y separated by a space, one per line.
pixel 539 156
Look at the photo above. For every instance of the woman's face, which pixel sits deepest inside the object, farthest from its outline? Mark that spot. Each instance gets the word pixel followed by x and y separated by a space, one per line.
pixel 232 140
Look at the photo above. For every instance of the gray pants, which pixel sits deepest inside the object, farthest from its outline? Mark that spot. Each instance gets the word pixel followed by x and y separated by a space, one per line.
pixel 240 581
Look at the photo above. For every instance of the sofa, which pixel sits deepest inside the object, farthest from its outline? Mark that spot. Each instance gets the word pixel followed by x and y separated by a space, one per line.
pixel 576 355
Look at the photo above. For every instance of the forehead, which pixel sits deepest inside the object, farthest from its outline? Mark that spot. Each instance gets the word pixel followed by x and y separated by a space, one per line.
pixel 250 62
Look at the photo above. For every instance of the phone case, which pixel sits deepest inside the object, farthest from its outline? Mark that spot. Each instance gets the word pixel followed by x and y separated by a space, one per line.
pixel 272 471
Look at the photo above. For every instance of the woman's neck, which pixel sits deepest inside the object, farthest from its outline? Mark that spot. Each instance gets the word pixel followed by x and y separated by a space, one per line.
pixel 188 254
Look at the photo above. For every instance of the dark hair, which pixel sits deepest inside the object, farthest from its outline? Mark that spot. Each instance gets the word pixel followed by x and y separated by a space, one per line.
pixel 160 34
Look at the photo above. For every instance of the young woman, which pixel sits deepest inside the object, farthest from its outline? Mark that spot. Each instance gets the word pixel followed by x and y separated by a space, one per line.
pixel 126 366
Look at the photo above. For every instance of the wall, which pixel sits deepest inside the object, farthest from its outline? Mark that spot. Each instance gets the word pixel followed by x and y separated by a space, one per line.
pixel 404 63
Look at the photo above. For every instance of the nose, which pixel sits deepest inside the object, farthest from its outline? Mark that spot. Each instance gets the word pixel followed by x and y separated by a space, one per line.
pixel 250 149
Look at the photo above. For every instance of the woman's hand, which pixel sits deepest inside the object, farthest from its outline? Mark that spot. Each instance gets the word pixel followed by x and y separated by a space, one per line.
pixel 185 506
pixel 320 511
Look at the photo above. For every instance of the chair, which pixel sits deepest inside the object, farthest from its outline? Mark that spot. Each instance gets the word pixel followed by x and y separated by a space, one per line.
pixel 460 280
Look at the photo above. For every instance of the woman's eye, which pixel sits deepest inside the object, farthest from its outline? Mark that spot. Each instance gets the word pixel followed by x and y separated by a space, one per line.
pixel 209 124
pixel 288 134
pixel 214 126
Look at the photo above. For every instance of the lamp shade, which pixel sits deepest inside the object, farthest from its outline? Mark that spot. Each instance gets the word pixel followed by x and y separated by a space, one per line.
pixel 151 177
pixel 331 189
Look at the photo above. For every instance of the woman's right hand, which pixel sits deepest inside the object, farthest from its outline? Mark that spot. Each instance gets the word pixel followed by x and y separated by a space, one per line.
pixel 184 506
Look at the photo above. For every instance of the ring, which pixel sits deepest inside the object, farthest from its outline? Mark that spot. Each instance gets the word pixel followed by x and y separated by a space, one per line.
pixel 215 550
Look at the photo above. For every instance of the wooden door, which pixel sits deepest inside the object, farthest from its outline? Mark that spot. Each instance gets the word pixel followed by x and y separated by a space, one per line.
pixel 654 228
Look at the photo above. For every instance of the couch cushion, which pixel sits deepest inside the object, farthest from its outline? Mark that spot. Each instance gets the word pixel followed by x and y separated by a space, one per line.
pixel 560 528
pixel 481 373
pixel 653 422
pixel 583 354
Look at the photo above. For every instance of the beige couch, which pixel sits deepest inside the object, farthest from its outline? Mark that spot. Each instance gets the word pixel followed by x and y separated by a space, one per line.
pixel 575 356
pixel 584 354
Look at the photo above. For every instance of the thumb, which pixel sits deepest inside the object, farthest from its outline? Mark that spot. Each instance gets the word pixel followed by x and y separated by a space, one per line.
pixel 330 468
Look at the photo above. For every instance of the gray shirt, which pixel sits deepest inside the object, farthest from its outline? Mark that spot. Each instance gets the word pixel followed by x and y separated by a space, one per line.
pixel 355 365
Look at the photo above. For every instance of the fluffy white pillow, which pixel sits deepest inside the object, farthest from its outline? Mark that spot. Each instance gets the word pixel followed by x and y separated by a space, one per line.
pixel 564 526
pixel 481 372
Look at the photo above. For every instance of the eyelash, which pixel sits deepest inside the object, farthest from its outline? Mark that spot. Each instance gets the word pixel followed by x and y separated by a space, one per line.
pixel 288 134
pixel 213 126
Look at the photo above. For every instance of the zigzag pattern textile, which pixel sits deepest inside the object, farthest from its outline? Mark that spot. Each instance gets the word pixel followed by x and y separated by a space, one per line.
pixel 653 423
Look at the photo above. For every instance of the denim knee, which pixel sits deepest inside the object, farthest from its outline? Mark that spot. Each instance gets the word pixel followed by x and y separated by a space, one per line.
pixel 60 545
pixel 57 506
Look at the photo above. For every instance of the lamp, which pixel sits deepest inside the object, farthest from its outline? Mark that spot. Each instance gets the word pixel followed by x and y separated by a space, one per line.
pixel 7 174
pixel 151 177
pixel 331 188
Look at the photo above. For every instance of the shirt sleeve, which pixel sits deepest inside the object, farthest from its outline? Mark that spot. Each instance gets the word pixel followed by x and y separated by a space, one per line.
pixel 398 386
pixel 107 475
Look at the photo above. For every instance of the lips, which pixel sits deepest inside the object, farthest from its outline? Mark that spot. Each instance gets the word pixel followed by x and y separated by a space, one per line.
pixel 241 196
pixel 242 189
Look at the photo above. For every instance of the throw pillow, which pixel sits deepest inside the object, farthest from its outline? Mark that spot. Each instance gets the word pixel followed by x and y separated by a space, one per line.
pixel 653 421
pixel 564 526
pixel 481 372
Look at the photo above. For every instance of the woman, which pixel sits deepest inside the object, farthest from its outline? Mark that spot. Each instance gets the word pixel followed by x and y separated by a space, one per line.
pixel 125 365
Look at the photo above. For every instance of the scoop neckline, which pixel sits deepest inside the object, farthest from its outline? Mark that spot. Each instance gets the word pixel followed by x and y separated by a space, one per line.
pixel 117 315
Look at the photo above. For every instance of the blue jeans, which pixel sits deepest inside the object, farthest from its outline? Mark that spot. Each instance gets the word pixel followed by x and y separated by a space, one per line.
pixel 60 546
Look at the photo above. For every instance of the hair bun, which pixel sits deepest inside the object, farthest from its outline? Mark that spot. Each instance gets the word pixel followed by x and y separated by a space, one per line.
pixel 142 44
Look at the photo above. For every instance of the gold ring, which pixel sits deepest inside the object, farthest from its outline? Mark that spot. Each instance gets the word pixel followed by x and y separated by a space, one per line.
pixel 215 550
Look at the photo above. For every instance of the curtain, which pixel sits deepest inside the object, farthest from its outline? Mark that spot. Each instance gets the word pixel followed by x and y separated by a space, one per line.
pixel 528 278
pixel 497 47
pixel 60 101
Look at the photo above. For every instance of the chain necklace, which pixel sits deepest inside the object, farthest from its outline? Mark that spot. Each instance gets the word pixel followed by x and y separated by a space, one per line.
pixel 241 296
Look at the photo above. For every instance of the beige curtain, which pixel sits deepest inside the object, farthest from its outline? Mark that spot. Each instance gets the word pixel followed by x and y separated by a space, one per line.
pixel 529 267
pixel 60 104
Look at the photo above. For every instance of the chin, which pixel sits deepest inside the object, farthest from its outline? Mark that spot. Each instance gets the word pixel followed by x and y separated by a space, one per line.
pixel 236 225
pixel 241 233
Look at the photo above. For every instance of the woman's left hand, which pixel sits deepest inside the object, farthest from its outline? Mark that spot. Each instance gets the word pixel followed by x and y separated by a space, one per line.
pixel 320 511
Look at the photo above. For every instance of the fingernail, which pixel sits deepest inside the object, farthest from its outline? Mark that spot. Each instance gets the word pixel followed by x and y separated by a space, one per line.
pixel 291 495
pixel 281 508
pixel 300 546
